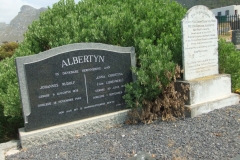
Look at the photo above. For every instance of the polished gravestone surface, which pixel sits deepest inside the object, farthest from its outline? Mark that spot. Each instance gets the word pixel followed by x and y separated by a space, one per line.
pixel 73 82
pixel 236 37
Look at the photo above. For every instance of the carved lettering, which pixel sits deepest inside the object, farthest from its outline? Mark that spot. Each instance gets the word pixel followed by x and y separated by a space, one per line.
pixel 99 96
pixel 115 93
pixel 68 111
pixel 63 92
pixel 78 98
pixel 68 83
pixel 114 81
pixel 45 104
pixel 49 86
pixel 95 105
pixel 61 112
pixel 44 96
pixel 101 77
pixel 100 90
pixel 115 74
pixel 82 59
pixel 65 100
pixel 69 72
pixel 92 69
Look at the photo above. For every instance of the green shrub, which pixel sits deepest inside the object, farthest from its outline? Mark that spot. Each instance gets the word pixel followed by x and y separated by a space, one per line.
pixel 7 49
pixel 9 126
pixel 229 62
pixel 2 122
pixel 154 62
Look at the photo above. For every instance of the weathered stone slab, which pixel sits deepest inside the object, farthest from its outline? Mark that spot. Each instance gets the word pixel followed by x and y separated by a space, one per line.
pixel 205 107
pixel 73 82
pixel 236 37
pixel 71 129
pixel 206 88
pixel 200 43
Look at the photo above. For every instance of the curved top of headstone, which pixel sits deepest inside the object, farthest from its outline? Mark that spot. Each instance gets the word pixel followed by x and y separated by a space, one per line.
pixel 199 12
pixel 73 47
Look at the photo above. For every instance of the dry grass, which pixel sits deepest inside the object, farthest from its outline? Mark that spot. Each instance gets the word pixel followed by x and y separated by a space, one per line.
pixel 179 158
pixel 170 143
pixel 167 106
pixel 177 155
pixel 227 37
pixel 238 91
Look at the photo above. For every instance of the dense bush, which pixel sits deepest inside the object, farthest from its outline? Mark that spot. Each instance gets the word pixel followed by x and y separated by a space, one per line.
pixel 10 110
pixel 124 22
pixel 229 62
pixel 7 49
pixel 10 115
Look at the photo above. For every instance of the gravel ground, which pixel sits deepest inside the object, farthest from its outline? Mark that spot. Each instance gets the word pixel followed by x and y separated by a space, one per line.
pixel 212 136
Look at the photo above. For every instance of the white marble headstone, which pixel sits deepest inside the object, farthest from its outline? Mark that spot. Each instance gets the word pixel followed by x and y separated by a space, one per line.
pixel 200 43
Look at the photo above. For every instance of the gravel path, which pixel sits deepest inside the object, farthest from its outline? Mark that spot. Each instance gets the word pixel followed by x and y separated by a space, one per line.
pixel 212 136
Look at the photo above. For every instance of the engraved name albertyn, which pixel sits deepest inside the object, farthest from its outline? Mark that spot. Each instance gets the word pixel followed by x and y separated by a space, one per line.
pixel 82 59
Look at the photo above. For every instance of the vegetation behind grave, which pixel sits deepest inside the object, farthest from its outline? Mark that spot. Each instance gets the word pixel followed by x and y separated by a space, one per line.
pixel 9 123
pixel 7 49
pixel 229 61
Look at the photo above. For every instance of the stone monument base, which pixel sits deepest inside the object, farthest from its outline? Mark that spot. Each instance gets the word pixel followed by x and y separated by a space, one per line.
pixel 198 109
pixel 72 129
pixel 208 93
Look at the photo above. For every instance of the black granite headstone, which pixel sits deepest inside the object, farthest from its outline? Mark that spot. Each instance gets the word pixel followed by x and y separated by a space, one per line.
pixel 73 82
pixel 236 37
